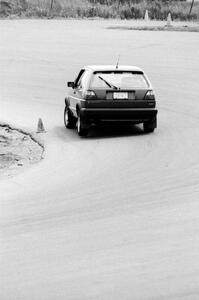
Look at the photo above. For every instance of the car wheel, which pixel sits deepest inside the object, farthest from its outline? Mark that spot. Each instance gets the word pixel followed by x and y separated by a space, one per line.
pixel 69 120
pixel 149 126
pixel 81 128
pixel 148 130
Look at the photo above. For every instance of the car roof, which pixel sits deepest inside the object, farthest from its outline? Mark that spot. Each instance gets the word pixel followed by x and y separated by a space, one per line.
pixel 95 68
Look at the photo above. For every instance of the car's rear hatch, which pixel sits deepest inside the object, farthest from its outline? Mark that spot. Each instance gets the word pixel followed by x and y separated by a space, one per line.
pixel 118 89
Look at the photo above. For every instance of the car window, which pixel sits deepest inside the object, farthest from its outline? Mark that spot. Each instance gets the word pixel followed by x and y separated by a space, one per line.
pixel 123 80
pixel 83 79
pixel 78 79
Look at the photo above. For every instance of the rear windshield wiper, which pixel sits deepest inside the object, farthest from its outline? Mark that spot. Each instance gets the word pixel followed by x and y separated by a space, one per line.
pixel 108 83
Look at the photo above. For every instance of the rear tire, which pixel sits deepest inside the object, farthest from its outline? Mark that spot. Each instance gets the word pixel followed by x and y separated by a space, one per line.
pixel 150 126
pixel 69 119
pixel 81 127
pixel 148 130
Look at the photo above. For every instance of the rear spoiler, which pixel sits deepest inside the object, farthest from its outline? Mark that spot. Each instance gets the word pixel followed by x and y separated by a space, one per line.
pixel 119 71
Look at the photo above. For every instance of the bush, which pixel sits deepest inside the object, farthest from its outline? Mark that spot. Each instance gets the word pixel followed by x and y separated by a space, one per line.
pixel 124 9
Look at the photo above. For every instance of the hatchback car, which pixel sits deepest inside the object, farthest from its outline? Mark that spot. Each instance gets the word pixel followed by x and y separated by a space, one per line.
pixel 110 94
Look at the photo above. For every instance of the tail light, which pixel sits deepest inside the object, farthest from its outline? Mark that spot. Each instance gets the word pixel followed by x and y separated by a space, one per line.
pixel 90 95
pixel 150 95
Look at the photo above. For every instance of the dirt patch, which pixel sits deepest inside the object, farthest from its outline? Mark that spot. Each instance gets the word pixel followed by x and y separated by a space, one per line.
pixel 185 28
pixel 18 150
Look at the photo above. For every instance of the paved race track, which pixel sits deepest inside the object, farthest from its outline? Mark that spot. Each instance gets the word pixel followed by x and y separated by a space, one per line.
pixel 115 215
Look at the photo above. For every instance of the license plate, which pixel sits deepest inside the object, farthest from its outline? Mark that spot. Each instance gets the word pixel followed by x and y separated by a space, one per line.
pixel 120 95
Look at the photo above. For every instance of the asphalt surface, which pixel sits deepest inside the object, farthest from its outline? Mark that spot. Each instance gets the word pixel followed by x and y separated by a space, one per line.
pixel 114 215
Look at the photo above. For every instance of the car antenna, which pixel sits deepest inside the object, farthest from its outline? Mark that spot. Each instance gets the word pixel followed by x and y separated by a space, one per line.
pixel 118 61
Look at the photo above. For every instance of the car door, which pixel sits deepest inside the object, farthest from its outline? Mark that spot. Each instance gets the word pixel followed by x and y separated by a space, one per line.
pixel 81 85
pixel 76 94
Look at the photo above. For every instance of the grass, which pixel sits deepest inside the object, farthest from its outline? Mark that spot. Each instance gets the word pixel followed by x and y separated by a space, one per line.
pixel 87 9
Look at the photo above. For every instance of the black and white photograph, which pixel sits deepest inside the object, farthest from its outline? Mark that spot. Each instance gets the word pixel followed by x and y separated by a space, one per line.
pixel 99 149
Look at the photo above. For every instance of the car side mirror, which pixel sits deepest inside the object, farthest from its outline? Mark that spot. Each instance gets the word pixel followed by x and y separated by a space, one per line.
pixel 71 84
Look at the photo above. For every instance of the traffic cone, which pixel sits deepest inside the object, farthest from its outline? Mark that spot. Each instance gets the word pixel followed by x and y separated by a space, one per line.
pixel 40 126
pixel 146 16
pixel 169 19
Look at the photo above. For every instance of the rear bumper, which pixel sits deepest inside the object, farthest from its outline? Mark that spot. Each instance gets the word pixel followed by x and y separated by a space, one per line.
pixel 136 115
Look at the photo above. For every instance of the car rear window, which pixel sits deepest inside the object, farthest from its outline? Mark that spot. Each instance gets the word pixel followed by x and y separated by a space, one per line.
pixel 122 80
